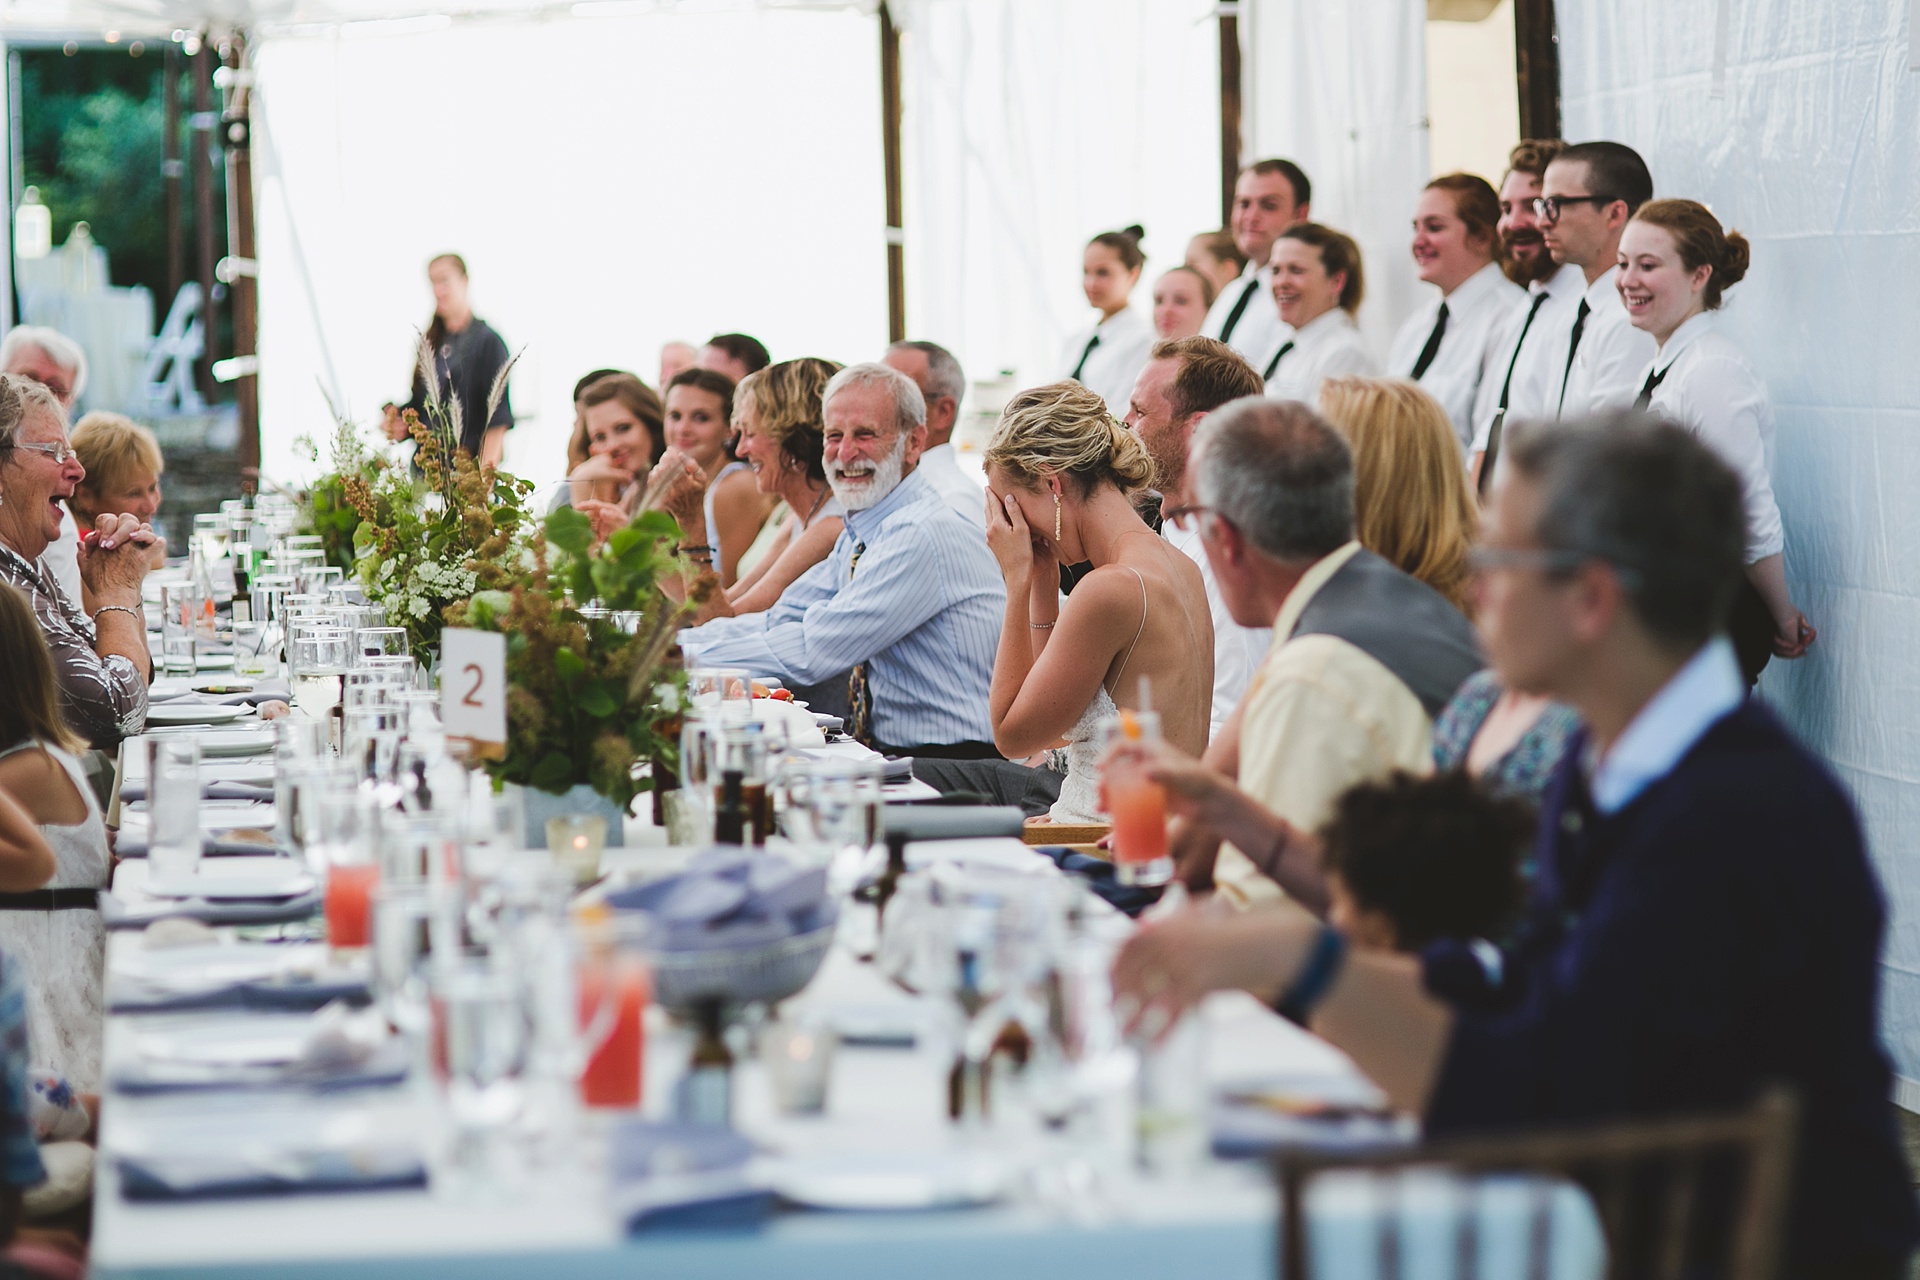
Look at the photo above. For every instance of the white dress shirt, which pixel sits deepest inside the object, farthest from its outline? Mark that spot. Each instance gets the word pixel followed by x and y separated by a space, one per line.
pixel 921 607
pixel 1539 363
pixel 1707 387
pixel 1110 368
pixel 1612 356
pixel 1700 694
pixel 1259 331
pixel 1476 312
pixel 1327 346
pixel 1237 651
pixel 958 489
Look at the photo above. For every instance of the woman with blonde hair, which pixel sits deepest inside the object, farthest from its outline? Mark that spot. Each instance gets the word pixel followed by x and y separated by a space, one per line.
pixel 124 467
pixel 1060 473
pixel 1411 502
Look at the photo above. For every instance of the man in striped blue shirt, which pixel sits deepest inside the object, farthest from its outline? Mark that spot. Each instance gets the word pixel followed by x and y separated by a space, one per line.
pixel 910 598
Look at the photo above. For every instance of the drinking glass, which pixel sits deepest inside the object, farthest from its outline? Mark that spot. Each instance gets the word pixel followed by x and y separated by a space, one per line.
pixel 483 1034
pixel 374 642
pixel 253 655
pixel 300 760
pixel 1137 804
pixel 835 804
pixel 720 693
pixel 404 928
pixel 319 659
pixel 370 741
pixel 364 688
pixel 179 615
pixel 210 533
pixel 173 806
pixel 342 835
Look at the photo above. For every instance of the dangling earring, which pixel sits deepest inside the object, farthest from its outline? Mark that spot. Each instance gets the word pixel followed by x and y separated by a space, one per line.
pixel 1056 517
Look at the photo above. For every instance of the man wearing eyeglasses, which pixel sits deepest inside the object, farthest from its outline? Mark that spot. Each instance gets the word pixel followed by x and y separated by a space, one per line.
pixel 1586 197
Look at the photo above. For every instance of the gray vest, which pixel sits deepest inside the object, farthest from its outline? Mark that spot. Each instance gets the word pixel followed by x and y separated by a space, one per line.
pixel 1399 621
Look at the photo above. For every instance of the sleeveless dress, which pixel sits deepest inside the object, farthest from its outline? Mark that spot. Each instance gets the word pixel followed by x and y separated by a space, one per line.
pixel 64 952
pixel 706 502
pixel 1079 800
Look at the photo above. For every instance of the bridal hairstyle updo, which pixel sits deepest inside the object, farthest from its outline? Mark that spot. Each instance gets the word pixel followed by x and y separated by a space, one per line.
pixel 1701 242
pixel 1064 429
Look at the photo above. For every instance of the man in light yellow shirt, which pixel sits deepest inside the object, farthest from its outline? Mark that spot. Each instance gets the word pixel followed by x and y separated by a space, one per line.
pixel 1364 655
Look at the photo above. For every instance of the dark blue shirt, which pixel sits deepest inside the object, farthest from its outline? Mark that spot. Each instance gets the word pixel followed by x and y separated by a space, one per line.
pixel 1719 933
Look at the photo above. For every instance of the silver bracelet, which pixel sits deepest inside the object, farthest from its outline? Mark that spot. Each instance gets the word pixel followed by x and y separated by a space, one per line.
pixel 135 614
pixel 1041 626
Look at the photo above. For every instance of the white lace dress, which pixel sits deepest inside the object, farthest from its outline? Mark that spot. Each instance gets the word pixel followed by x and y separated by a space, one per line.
pixel 1079 800
pixel 64 952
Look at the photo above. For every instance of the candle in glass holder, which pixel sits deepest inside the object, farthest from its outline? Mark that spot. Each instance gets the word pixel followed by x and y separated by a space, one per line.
pixel 799 1060
pixel 576 841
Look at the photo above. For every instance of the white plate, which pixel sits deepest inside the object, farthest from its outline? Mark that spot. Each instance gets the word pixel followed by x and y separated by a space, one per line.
pixel 235 742
pixel 221 886
pixel 893 1180
pixel 168 713
pixel 214 662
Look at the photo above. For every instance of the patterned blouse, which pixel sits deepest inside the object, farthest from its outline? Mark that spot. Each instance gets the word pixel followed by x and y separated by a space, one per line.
pixel 1524 771
pixel 103 699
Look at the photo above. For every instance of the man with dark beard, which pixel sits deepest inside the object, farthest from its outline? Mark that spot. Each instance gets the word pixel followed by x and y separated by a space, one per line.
pixel 1522 376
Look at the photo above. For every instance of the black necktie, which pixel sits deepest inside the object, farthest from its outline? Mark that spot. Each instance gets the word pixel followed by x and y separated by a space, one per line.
pixel 859 696
pixel 1239 308
pixel 1432 349
pixel 1648 387
pixel 1492 453
pixel 1579 327
pixel 1275 362
pixel 1092 342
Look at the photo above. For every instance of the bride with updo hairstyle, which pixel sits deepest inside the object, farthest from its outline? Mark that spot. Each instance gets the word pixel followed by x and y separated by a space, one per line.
pixel 1060 472
pixel 1676 264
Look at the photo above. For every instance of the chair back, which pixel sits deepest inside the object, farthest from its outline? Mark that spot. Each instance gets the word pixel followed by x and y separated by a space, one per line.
pixel 1676 1197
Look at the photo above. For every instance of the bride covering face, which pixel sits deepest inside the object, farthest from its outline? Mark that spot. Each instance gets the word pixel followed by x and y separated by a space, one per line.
pixel 1060 470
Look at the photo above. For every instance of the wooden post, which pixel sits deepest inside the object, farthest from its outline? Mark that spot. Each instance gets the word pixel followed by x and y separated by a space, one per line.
pixel 243 285
pixel 1229 109
pixel 890 149
pixel 172 169
pixel 201 130
pixel 1536 45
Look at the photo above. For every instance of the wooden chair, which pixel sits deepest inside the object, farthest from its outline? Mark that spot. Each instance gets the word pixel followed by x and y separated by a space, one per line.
pixel 1645 1178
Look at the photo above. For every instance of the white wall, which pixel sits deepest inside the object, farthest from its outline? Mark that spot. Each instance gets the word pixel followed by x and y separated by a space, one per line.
pixel 613 184
pixel 1800 132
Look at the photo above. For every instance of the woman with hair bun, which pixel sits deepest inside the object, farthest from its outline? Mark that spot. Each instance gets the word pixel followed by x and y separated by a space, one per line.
pixel 1060 473
pixel 1317 286
pixel 1107 356
pixel 1675 264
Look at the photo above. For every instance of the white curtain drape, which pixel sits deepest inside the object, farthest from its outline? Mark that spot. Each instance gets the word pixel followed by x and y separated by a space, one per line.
pixel 1341 89
pixel 1795 124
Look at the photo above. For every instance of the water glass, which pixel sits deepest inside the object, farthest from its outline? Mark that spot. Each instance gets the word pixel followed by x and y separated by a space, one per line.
pixel 835 804
pixel 319 659
pixel 173 806
pixel 370 741
pixel 374 642
pixel 180 610
pixel 720 693
pixel 254 653
pixel 483 1033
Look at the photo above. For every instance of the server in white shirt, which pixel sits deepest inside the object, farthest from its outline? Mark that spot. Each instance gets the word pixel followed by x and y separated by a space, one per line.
pixel 1268 197
pixel 943 385
pixel 1443 345
pixel 1106 357
pixel 1674 263
pixel 1586 197
pixel 1215 255
pixel 1317 287
pixel 1184 381
pixel 1525 366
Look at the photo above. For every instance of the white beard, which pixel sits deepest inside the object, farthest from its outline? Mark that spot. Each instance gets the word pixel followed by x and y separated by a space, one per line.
pixel 871 490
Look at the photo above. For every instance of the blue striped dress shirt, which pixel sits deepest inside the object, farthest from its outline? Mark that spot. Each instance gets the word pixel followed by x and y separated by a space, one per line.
pixel 922 610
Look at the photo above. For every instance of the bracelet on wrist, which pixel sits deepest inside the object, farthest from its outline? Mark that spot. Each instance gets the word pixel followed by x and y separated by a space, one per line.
pixel 1318 972
pixel 1041 626
pixel 131 612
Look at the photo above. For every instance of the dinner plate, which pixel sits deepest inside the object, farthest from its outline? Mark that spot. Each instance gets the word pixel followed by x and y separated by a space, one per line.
pixel 895 1181
pixel 216 885
pixel 169 713
pixel 227 743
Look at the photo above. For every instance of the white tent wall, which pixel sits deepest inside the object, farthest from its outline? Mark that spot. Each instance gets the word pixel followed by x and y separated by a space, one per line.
pixel 1030 128
pixel 613 184
pixel 1795 123
pixel 1341 89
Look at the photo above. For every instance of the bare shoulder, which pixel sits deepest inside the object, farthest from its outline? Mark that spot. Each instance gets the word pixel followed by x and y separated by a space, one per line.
pixel 41 785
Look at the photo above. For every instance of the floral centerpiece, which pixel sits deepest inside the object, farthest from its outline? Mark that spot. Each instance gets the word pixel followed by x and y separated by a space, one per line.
pixel 590 693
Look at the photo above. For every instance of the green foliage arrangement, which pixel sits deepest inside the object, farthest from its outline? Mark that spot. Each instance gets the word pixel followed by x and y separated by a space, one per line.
pixel 588 692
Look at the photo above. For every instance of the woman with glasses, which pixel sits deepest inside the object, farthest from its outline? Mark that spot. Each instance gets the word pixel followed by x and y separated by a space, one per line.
pixel 1675 263
pixel 100 657
pixel 1318 285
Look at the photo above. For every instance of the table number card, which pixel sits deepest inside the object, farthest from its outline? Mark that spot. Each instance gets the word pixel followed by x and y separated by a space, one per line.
pixel 473 688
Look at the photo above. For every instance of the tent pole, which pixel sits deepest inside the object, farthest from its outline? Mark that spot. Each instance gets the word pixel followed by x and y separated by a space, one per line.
pixel 171 171
pixel 202 125
pixel 241 261
pixel 890 148
pixel 1229 108
pixel 1537 57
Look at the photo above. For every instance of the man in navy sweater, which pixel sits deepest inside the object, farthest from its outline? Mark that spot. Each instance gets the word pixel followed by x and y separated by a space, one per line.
pixel 1705 923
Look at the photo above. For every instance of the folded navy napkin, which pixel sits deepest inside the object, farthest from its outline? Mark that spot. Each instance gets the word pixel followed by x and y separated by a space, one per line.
pixel 273 995
pixel 120 913
pixel 134 792
pixel 1099 875
pixel 673 1176
pixel 211 844
pixel 222 1175
pixel 387 1065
